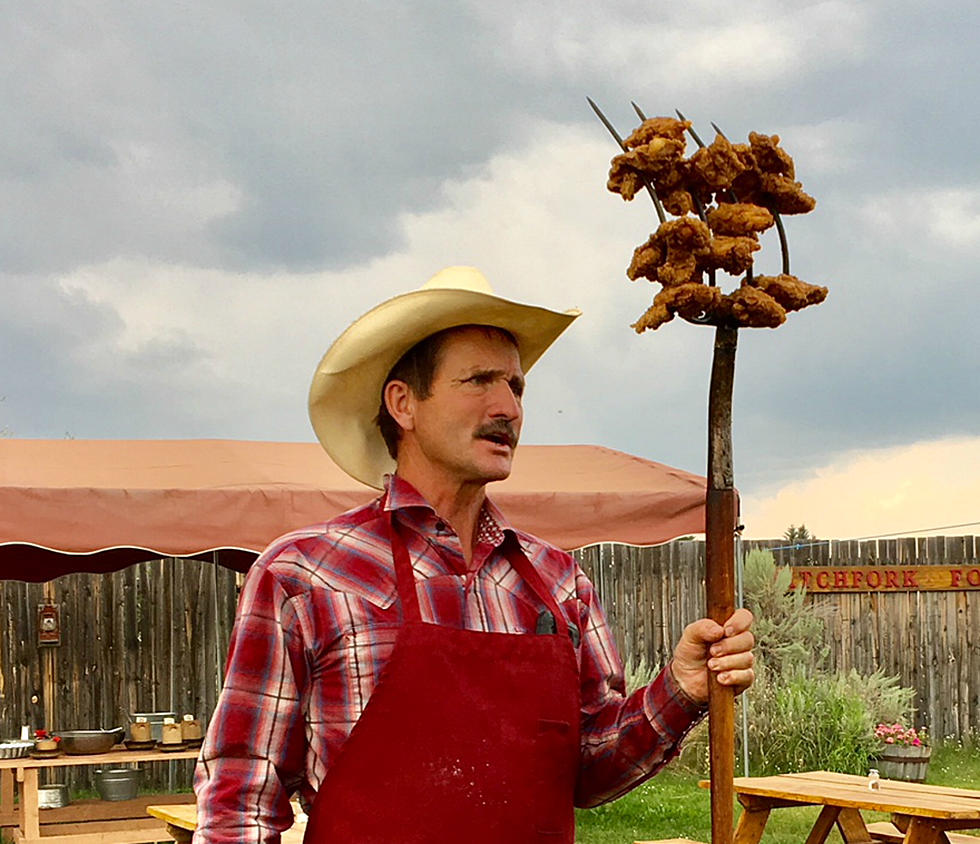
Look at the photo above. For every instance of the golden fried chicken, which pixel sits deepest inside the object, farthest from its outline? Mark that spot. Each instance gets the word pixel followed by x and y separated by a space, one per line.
pixel 747 184
pixel 717 165
pixel 658 127
pixel 654 316
pixel 686 239
pixel 752 308
pixel 624 178
pixel 782 194
pixel 678 202
pixel 627 170
pixel 770 157
pixel 731 254
pixel 738 219
pixel 657 156
pixel 647 258
pixel 689 300
pixel 792 293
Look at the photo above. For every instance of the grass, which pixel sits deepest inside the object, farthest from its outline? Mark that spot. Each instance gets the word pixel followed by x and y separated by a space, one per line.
pixel 671 805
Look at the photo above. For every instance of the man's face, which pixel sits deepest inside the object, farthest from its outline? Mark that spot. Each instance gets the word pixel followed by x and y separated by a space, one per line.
pixel 468 427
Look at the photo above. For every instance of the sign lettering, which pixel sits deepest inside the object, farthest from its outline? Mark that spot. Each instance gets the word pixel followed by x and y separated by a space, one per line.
pixel 886 578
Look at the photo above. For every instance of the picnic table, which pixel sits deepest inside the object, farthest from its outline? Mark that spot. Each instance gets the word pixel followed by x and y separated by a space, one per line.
pixel 181 822
pixel 82 821
pixel 921 814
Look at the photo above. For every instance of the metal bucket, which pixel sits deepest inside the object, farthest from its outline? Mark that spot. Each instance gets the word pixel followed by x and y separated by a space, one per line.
pixel 52 796
pixel 117 783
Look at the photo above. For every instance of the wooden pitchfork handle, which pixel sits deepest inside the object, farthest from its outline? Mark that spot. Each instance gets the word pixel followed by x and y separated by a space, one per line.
pixel 721 522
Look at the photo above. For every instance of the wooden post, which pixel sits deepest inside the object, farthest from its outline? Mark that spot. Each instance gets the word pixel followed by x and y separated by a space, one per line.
pixel 48 666
pixel 721 518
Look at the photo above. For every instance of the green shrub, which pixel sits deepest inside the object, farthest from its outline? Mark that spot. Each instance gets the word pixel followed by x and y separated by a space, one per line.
pixel 801 716
pixel 789 635
pixel 810 722
pixel 639 673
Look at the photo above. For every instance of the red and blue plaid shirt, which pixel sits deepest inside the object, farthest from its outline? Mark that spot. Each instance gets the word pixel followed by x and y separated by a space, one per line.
pixel 317 621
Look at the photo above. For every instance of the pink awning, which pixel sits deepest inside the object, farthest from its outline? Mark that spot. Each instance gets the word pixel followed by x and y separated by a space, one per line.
pixel 98 505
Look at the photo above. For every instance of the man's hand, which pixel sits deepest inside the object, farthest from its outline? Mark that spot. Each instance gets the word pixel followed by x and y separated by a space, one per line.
pixel 725 651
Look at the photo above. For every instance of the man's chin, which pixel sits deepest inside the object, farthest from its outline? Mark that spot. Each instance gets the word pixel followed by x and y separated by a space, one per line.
pixel 498 470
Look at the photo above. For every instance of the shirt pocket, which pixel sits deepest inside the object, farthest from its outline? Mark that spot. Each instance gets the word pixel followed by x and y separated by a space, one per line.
pixel 366 650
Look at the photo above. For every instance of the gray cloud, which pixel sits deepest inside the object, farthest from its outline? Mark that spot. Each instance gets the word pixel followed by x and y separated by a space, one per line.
pixel 299 137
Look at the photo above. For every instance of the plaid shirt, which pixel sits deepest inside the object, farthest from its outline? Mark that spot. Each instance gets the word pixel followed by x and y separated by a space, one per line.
pixel 317 621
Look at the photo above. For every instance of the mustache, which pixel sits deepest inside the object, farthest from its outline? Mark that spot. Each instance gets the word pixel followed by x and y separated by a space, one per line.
pixel 499 430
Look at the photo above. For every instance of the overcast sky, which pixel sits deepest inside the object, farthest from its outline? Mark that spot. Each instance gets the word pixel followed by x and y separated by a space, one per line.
pixel 197 198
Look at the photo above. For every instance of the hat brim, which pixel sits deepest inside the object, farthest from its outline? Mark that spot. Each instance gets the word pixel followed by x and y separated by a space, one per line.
pixel 346 390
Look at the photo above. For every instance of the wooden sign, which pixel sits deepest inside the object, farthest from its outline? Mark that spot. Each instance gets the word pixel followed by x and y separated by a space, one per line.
pixel 886 578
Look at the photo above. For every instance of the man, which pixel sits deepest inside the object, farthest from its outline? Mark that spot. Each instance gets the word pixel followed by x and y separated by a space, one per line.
pixel 418 669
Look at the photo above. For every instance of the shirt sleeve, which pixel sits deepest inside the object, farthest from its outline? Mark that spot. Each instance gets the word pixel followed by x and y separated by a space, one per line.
pixel 625 739
pixel 253 756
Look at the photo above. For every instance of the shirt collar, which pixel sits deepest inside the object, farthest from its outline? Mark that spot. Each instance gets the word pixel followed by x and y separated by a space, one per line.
pixel 492 526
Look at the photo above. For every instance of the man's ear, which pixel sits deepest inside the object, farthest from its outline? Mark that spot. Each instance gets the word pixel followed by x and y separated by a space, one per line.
pixel 400 401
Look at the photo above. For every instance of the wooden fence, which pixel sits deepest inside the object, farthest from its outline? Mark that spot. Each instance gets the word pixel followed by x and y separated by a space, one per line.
pixel 930 640
pixel 149 638
pixel 153 637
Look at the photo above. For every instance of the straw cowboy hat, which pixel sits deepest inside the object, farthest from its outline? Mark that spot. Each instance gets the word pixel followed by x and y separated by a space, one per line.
pixel 346 390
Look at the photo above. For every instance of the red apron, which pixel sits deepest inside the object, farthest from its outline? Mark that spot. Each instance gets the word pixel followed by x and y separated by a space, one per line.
pixel 468 735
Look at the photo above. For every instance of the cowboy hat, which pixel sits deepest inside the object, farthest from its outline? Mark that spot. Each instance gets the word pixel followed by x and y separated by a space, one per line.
pixel 346 390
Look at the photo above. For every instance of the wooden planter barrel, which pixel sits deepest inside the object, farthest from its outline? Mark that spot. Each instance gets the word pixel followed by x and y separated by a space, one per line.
pixel 901 762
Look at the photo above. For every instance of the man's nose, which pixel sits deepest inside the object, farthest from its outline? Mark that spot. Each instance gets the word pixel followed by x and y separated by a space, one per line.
pixel 506 404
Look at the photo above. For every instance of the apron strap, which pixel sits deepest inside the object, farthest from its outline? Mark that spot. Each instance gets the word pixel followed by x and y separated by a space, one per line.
pixel 522 565
pixel 405 576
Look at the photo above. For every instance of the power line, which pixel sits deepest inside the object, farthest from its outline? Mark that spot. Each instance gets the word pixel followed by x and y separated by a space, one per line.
pixel 800 545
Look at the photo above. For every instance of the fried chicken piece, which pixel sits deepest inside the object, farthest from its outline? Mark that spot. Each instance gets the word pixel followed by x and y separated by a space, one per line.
pixel 647 258
pixel 789 291
pixel 627 169
pixel 624 178
pixel 654 316
pixel 680 269
pixel 657 156
pixel 658 127
pixel 689 300
pixel 686 238
pixel 678 202
pixel 731 254
pixel 717 165
pixel 782 194
pixel 671 178
pixel 770 157
pixel 752 308
pixel 738 219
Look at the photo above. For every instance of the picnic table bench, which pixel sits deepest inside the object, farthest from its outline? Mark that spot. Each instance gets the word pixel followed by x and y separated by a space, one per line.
pixel 182 821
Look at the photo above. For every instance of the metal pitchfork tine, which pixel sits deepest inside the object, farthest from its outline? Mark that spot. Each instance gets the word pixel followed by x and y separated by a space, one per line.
pixel 622 145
